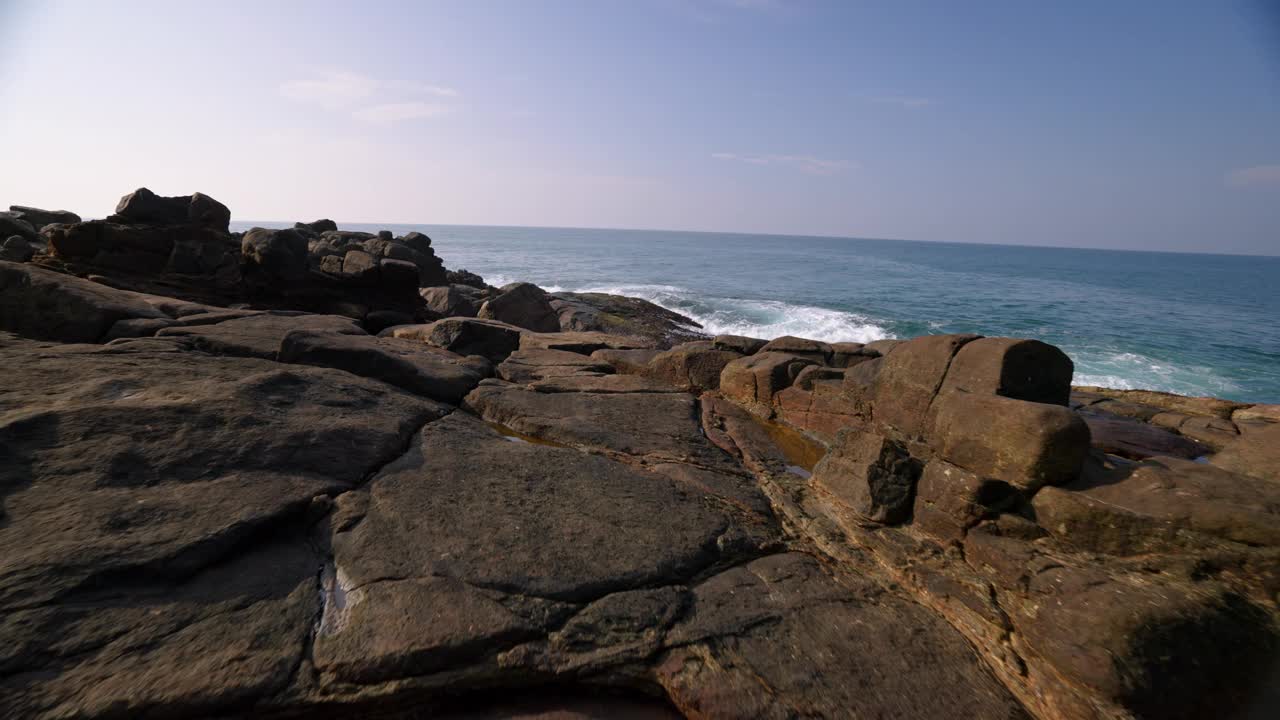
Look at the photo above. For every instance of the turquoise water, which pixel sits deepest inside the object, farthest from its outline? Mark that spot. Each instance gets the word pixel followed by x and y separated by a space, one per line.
pixel 1191 324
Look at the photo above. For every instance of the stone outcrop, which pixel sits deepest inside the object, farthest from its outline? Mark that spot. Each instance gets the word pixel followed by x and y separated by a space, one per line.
pixel 264 511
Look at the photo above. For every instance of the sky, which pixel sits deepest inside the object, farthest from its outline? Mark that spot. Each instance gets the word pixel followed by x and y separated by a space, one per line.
pixel 1149 125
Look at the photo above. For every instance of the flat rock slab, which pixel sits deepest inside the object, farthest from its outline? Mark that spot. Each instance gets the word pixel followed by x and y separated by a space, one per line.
pixel 259 336
pixel 528 365
pixel 469 504
pixel 428 371
pixel 849 651
pixel 656 425
pixel 43 304
pixel 153 515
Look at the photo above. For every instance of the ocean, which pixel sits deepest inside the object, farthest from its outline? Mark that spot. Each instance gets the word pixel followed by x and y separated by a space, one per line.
pixel 1186 323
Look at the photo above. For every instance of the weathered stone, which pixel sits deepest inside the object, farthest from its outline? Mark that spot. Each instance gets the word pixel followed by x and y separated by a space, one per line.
pixel 17 249
pixel 910 378
pixel 39 218
pixel 949 499
pixel 422 369
pixel 1161 505
pixel 1020 369
pixel 399 276
pixel 12 223
pixel 275 255
pixel 595 383
pixel 1256 454
pixel 523 518
pixel 693 366
pixel 417 241
pixel 318 226
pixel 848 652
pixel 1212 431
pixel 1025 444
pixel 880 348
pixel 814 350
pixel 739 344
pixel 619 315
pixel 360 266
pixel 331 264
pixel 376 321
pixel 466 336
pixel 465 277
pixel 40 303
pixel 145 207
pixel 626 361
pixel 1212 407
pixel 525 366
pixel 258 336
pixel 583 342
pixel 1137 440
pixel 524 305
pixel 755 379
pixel 1253 413
pixel 848 354
pixel 871 475
pixel 453 300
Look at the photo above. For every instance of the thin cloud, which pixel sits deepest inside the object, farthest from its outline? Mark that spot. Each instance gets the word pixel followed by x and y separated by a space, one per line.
pixel 392 113
pixel 903 101
pixel 803 163
pixel 333 90
pixel 1256 176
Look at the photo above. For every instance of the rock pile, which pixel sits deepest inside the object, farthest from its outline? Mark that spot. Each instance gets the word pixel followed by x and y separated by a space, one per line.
pixel 506 502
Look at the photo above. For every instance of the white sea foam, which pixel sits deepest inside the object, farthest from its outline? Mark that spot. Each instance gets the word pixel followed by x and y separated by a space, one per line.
pixel 755 318
pixel 1134 371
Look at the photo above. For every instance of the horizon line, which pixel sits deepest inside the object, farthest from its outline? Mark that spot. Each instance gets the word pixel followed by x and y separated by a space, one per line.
pixel 801 235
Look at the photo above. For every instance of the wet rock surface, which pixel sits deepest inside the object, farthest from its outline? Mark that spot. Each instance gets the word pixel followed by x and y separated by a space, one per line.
pixel 260 511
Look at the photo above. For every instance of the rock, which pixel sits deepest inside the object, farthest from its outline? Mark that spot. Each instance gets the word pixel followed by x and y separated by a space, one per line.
pixel 1256 454
pixel 848 651
pixel 17 249
pixel 417 241
pixel 848 354
pixel 1121 408
pixel 693 366
pixel 331 264
pixel 524 305
pixel 466 336
pixel 360 266
pixel 1212 407
pixel 880 348
pixel 1160 505
pixel 150 256
pixel 871 475
pixel 910 378
pixel 1020 369
pixel 12 223
pixel 40 303
pixel 950 500
pixel 1212 431
pixel 39 218
pixel 258 336
pixel 596 383
pixel 583 342
pixel 465 503
pixel 753 380
pixel 819 404
pixel 1025 444
pixel 739 344
pixel 463 277
pixel 379 320
pixel 1257 413
pixel 814 350
pixel 430 372
pixel 619 315
pixel 320 226
pixel 400 277
pixel 1137 440
pixel 146 208
pixel 626 361
pixel 275 256
pixel 526 366
pixel 162 503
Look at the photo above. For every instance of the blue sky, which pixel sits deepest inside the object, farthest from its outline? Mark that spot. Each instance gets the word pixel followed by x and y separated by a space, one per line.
pixel 1138 125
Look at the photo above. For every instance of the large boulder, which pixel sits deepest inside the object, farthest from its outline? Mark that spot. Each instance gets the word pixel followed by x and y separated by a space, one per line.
pixel 16 248
pixel 693 366
pixel 1025 444
pixel 453 300
pixel 909 379
pixel 950 500
pixel 524 305
pixel 753 380
pixel 39 218
pixel 1020 369
pixel 144 207
pixel 40 303
pixel 814 350
pixel 620 315
pixel 1256 453
pixel 740 344
pixel 258 336
pixel 12 223
pixel 465 336
pixel 870 474
pixel 275 255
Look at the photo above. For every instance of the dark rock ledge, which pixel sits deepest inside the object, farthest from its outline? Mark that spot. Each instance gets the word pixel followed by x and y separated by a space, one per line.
pixel 311 473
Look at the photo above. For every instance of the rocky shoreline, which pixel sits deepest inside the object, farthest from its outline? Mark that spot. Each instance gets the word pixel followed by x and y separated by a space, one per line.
pixel 312 472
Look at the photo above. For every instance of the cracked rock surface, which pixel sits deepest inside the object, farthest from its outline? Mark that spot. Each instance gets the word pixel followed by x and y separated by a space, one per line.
pixel 262 512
